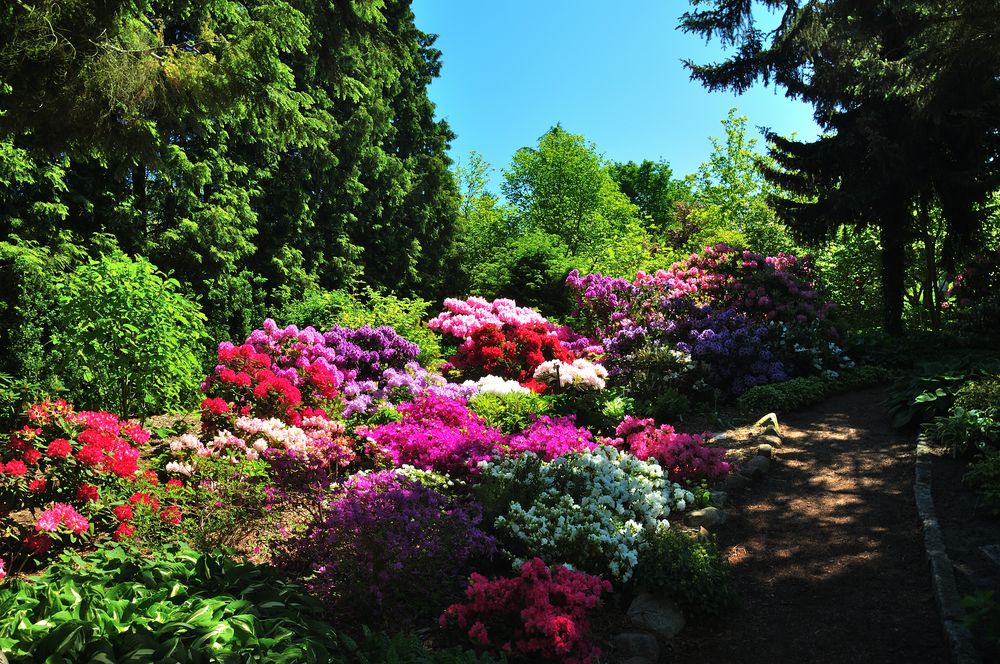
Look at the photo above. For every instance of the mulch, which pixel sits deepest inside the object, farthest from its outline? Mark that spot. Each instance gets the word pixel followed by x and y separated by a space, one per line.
pixel 827 551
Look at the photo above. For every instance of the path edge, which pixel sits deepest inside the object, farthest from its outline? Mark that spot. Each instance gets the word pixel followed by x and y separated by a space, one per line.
pixel 963 650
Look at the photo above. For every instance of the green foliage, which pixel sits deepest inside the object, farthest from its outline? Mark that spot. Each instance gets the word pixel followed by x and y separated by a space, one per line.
pixel 847 268
pixel 984 478
pixel 933 389
pixel 980 394
pixel 511 412
pixel 732 197
pixel 982 610
pixel 176 606
pixel 693 573
pixel 179 606
pixel 253 151
pixel 127 339
pixel 530 269
pixel 324 309
pixel 798 393
pixel 963 432
pixel 652 187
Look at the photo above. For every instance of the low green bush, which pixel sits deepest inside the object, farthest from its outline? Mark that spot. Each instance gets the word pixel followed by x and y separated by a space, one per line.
pixel 116 607
pixel 979 394
pixel 126 338
pixel 511 412
pixel 692 573
pixel 323 309
pixel 984 478
pixel 963 432
pixel 798 393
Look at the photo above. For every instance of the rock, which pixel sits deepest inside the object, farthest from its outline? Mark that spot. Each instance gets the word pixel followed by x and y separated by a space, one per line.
pixel 769 439
pixel 734 482
pixel 656 614
pixel 756 467
pixel 718 498
pixel 709 517
pixel 637 645
pixel 765 450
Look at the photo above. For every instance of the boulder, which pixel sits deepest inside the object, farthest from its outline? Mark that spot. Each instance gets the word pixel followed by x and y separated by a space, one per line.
pixel 765 450
pixel 708 517
pixel 656 614
pixel 756 467
pixel 718 498
pixel 734 482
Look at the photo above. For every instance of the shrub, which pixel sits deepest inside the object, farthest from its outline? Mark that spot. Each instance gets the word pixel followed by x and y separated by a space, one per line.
pixel 511 351
pixel 589 509
pixel 979 394
pixel 435 433
pixel 684 457
pixel 174 606
pixel 510 412
pixel 325 309
pixel 799 393
pixel 984 478
pixel 693 573
pixel 540 615
pixel 387 552
pixel 965 431
pixel 127 338
pixel 68 470
pixel 550 437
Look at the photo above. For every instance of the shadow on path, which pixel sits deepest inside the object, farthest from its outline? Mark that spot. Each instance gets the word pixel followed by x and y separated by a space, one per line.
pixel 827 552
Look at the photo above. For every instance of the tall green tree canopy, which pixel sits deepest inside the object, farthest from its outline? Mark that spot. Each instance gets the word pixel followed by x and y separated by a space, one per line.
pixel 253 149
pixel 906 113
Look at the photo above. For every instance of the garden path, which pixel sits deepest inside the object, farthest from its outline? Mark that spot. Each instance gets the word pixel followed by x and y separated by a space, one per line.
pixel 827 551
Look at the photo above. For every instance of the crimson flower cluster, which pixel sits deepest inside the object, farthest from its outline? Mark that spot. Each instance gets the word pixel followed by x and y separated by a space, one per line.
pixel 684 457
pixel 541 615
pixel 511 351
pixel 64 467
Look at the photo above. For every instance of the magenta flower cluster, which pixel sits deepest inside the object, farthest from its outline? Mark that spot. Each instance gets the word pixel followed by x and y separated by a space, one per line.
pixel 550 437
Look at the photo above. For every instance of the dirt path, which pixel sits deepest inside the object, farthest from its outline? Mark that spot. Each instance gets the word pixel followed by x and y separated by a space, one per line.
pixel 827 551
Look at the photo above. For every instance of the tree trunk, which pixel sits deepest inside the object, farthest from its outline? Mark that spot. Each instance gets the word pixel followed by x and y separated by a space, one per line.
pixel 930 267
pixel 893 269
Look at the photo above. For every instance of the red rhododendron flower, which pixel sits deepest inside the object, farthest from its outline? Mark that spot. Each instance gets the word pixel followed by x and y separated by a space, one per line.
pixel 16 468
pixel 87 493
pixel 38 485
pixel 16 444
pixel 123 512
pixel 123 531
pixel 215 405
pixel 175 483
pixel 59 447
pixel 31 456
pixel 171 515
pixel 90 454
pixel 151 477
pixel 144 499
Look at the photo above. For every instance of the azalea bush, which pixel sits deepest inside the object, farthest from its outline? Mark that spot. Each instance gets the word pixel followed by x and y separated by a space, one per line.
pixel 387 552
pixel 590 509
pixel 435 433
pixel 684 457
pixel 511 351
pixel 541 615
pixel 550 437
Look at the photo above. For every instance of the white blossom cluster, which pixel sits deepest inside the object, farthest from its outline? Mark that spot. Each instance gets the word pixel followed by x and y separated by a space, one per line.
pixel 496 385
pixel 581 374
pixel 587 509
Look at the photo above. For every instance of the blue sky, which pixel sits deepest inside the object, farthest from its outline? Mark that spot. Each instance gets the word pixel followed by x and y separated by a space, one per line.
pixel 608 70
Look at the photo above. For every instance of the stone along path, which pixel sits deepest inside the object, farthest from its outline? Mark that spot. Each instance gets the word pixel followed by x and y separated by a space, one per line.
pixel 827 551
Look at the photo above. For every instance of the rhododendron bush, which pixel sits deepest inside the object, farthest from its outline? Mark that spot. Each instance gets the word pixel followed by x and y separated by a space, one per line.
pixel 68 472
pixel 542 614
pixel 683 456
pixel 717 323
